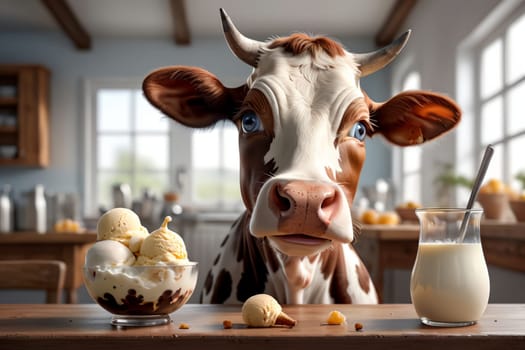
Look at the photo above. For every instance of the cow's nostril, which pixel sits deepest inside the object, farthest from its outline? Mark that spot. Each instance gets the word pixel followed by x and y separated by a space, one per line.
pixel 329 200
pixel 329 207
pixel 278 200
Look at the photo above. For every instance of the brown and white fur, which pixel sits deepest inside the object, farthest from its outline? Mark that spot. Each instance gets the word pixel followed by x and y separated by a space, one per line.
pixel 302 119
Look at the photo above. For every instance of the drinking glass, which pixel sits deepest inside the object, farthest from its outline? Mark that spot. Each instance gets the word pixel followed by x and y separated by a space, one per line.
pixel 449 285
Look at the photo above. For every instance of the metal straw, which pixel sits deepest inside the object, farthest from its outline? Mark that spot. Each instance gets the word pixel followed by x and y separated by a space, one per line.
pixel 489 151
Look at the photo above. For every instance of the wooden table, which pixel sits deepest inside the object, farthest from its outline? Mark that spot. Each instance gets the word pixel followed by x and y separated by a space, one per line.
pixel 68 247
pixel 385 247
pixel 393 326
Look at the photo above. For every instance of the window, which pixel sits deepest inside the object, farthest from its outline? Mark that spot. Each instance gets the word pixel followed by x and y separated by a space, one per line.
pixel 128 141
pixel 411 156
pixel 215 167
pixel 499 99
pixel 131 145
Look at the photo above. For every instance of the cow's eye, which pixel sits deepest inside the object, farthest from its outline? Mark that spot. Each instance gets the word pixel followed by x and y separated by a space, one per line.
pixel 251 123
pixel 358 131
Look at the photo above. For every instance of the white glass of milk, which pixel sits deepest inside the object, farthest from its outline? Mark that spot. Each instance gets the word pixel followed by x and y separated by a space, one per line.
pixel 450 284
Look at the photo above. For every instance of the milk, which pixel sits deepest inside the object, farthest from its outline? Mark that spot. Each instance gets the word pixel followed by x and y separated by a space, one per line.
pixel 450 282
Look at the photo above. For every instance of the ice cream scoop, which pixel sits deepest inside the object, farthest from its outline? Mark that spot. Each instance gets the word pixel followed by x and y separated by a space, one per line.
pixel 262 310
pixel 122 225
pixel 109 253
pixel 163 246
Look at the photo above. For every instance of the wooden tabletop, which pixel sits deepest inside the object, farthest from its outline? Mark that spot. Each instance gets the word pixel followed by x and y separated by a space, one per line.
pixel 391 326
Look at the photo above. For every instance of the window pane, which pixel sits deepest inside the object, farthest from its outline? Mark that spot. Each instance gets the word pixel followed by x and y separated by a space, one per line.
pixel 230 144
pixel 492 121
pixel 207 185
pixel 412 81
pixel 114 110
pixel 516 50
pixel 491 69
pixel 114 152
pixel 411 155
pixel 411 159
pixel 147 117
pixel 205 148
pixel 516 159
pixel 412 185
pixel 152 152
pixel 515 109
pixel 157 182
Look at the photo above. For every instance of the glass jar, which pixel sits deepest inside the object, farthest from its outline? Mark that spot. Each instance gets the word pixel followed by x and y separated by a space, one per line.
pixel 449 284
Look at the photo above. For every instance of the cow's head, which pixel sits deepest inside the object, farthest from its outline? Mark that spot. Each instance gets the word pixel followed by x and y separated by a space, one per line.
pixel 302 120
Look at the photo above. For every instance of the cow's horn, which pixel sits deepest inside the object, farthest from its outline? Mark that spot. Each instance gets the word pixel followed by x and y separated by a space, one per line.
pixel 244 48
pixel 373 61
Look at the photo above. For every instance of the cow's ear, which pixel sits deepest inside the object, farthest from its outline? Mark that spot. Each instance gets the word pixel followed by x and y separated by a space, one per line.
pixel 414 117
pixel 192 96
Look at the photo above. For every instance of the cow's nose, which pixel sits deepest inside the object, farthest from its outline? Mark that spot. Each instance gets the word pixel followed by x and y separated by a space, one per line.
pixel 304 204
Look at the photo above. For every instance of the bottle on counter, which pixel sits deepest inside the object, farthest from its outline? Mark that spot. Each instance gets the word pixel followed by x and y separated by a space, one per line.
pixel 32 213
pixel 6 210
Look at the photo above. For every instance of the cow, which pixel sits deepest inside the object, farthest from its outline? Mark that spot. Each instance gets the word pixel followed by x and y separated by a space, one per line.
pixel 302 120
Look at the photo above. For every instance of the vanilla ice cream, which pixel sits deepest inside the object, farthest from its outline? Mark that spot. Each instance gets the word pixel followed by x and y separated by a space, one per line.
pixel 131 272
pixel 109 253
pixel 262 310
pixel 122 225
pixel 163 246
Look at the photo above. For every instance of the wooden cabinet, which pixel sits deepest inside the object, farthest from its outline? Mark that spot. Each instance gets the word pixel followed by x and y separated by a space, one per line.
pixel 24 113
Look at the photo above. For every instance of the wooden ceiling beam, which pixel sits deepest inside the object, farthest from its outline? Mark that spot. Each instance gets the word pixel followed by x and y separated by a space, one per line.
pixel 69 23
pixel 395 20
pixel 180 20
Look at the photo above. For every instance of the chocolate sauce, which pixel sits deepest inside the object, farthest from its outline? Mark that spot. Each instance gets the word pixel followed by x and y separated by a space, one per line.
pixel 134 304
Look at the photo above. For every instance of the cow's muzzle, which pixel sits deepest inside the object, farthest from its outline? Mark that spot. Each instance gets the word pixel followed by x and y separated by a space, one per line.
pixel 295 211
pixel 304 206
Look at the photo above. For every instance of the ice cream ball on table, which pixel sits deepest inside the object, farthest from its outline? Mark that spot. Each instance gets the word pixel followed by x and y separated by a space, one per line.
pixel 109 253
pixel 163 246
pixel 122 225
pixel 262 310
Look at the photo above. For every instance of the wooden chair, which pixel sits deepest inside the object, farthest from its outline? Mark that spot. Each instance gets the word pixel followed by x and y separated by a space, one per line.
pixel 48 275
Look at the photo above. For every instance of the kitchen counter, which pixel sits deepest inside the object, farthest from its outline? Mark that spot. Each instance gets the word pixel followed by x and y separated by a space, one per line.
pixel 392 326
pixel 385 247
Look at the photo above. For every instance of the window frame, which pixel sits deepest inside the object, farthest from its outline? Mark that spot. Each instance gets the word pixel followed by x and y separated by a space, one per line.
pixel 91 88
pixel 499 32
pixel 180 167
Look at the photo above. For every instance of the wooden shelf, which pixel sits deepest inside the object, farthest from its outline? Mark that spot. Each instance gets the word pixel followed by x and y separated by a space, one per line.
pixel 26 89
pixel 8 101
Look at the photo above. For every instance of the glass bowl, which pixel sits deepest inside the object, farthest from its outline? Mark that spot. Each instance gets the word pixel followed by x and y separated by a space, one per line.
pixel 141 295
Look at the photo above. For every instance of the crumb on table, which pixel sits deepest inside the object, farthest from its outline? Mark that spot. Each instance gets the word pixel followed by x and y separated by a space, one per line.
pixel 184 326
pixel 358 326
pixel 227 324
pixel 335 318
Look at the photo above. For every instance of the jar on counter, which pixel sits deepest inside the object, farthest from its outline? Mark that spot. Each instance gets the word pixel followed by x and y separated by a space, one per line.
pixel 32 211
pixel 6 210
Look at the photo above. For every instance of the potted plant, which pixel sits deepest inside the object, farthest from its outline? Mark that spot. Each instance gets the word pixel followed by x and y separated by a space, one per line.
pixel 447 181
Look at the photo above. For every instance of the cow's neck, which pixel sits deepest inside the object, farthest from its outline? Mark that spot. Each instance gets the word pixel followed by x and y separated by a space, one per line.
pixel 298 280
pixel 298 275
